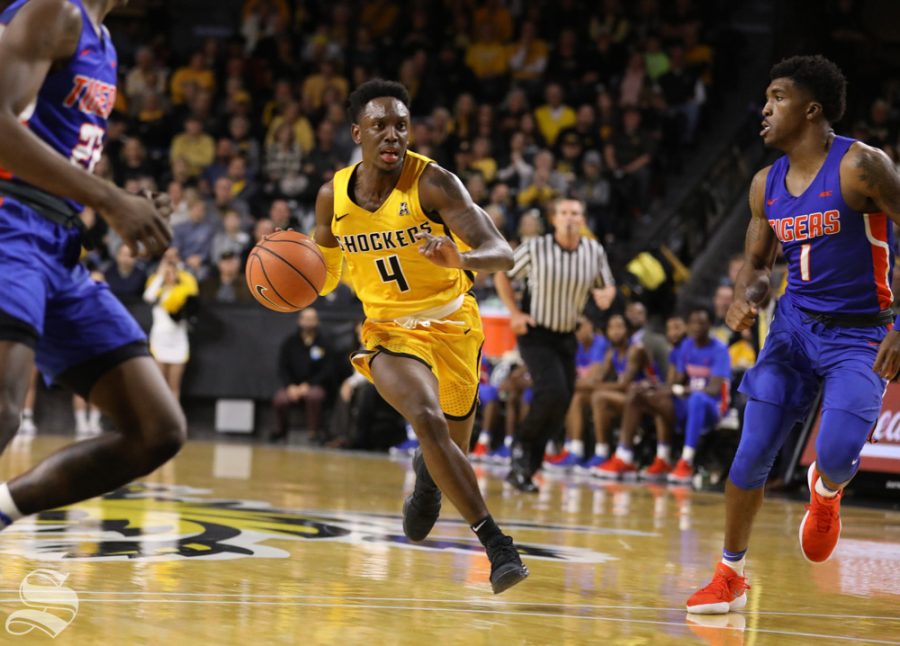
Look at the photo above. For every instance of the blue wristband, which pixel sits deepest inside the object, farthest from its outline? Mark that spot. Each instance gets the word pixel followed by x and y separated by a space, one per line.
pixel 897 323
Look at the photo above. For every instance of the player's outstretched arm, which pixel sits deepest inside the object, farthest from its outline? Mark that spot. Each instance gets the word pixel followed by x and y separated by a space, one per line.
pixel 325 239
pixel 760 249
pixel 441 191
pixel 42 33
pixel 870 184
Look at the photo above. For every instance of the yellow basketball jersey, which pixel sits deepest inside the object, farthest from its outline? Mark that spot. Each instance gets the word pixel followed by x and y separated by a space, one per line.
pixel 384 266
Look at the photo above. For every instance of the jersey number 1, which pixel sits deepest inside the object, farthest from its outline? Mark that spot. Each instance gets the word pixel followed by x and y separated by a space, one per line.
pixel 804 262
pixel 394 274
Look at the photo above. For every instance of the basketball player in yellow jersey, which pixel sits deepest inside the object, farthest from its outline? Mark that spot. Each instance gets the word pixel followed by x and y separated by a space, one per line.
pixel 412 237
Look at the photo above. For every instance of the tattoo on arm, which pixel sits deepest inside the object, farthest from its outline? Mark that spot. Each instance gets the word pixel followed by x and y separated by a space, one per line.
pixel 760 243
pixel 444 192
pixel 879 180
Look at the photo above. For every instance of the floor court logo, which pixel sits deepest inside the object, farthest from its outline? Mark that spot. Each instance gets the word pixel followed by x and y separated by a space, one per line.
pixel 50 605
pixel 161 523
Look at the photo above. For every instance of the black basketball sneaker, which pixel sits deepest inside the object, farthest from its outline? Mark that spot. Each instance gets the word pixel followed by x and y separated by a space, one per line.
pixel 507 568
pixel 423 506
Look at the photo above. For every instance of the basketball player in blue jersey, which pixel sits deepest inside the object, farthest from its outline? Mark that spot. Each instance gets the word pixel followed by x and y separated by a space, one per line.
pixel 57 88
pixel 829 202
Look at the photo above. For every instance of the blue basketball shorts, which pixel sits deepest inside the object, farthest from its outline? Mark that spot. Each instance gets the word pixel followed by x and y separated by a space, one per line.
pixel 48 301
pixel 801 355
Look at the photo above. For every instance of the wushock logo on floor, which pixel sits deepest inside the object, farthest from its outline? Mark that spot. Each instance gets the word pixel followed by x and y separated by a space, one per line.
pixel 163 523
pixel 50 606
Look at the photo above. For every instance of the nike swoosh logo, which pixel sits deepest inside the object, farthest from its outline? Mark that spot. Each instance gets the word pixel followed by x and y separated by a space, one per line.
pixel 338 218
pixel 262 294
pixel 468 329
pixel 479 526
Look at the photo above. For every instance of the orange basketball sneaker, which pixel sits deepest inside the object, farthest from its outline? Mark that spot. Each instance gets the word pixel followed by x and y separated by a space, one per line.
pixel 726 593
pixel 820 528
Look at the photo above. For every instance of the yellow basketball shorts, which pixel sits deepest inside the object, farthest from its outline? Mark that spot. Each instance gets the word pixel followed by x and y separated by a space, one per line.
pixel 452 350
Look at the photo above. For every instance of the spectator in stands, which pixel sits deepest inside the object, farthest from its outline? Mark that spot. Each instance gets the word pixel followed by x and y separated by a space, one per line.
pixel 684 95
pixel 281 216
pixel 528 58
pixel 226 284
pixel 145 77
pixel 315 85
pixel 231 238
pixel 554 115
pixel 195 75
pixel 169 290
pixel 634 87
pixel 284 164
pixel 629 155
pixel 303 132
pixel 193 239
pixel 722 300
pixel 219 167
pixel 193 146
pixel 244 142
pixel 126 277
pixel 595 190
pixel 305 371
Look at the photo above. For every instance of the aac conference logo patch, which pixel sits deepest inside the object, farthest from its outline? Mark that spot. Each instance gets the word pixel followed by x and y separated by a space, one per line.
pixel 150 522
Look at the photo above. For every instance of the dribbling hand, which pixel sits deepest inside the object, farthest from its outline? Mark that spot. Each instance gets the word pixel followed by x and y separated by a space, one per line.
pixel 137 219
pixel 743 312
pixel 440 250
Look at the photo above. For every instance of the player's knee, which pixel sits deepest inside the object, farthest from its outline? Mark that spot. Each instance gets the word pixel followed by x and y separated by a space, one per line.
pixel 429 424
pixel 752 463
pixel 842 436
pixel 696 402
pixel 165 439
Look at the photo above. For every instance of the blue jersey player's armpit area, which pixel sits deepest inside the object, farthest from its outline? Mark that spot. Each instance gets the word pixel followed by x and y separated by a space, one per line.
pixel 75 101
pixel 839 260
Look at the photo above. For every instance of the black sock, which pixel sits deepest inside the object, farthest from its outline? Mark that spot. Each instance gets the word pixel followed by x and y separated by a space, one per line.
pixel 486 530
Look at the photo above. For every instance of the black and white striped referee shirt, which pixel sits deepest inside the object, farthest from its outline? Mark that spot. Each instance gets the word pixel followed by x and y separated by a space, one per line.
pixel 559 280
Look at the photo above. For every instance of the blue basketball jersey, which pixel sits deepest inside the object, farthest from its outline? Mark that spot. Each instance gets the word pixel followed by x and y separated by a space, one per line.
pixel 701 364
pixel 586 357
pixel 839 260
pixel 75 101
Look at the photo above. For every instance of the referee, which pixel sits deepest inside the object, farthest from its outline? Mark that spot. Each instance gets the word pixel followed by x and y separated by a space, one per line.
pixel 562 269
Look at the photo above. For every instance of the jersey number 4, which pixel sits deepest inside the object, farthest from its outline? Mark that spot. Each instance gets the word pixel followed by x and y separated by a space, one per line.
pixel 393 273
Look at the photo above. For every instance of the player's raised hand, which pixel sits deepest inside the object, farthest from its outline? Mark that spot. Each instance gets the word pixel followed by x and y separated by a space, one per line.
pixel 887 363
pixel 440 250
pixel 138 220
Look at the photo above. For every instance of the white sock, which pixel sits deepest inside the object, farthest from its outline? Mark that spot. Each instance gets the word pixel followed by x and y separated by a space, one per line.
pixel 95 417
pixel 601 449
pixel 484 438
pixel 664 452
pixel 550 448
pixel 625 455
pixel 81 421
pixel 737 566
pixel 576 447
pixel 508 440
pixel 8 507
pixel 688 453
pixel 823 490
pixel 410 432
pixel 27 412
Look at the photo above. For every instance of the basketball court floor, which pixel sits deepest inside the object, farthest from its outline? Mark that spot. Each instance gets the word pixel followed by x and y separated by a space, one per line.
pixel 243 544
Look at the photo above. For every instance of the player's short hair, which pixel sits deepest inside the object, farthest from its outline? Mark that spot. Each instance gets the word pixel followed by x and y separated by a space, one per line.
pixel 818 76
pixel 374 89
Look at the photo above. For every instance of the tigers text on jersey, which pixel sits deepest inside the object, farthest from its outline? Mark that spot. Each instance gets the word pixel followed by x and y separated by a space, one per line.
pixel 839 260
pixel 390 276
pixel 75 101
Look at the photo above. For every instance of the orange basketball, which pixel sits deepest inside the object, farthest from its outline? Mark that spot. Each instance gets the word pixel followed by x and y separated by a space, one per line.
pixel 285 271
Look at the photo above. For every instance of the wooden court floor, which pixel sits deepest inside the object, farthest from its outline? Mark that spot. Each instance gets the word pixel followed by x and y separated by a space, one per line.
pixel 240 544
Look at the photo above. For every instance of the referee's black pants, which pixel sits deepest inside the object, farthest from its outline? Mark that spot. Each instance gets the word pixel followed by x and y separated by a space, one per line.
pixel 550 358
